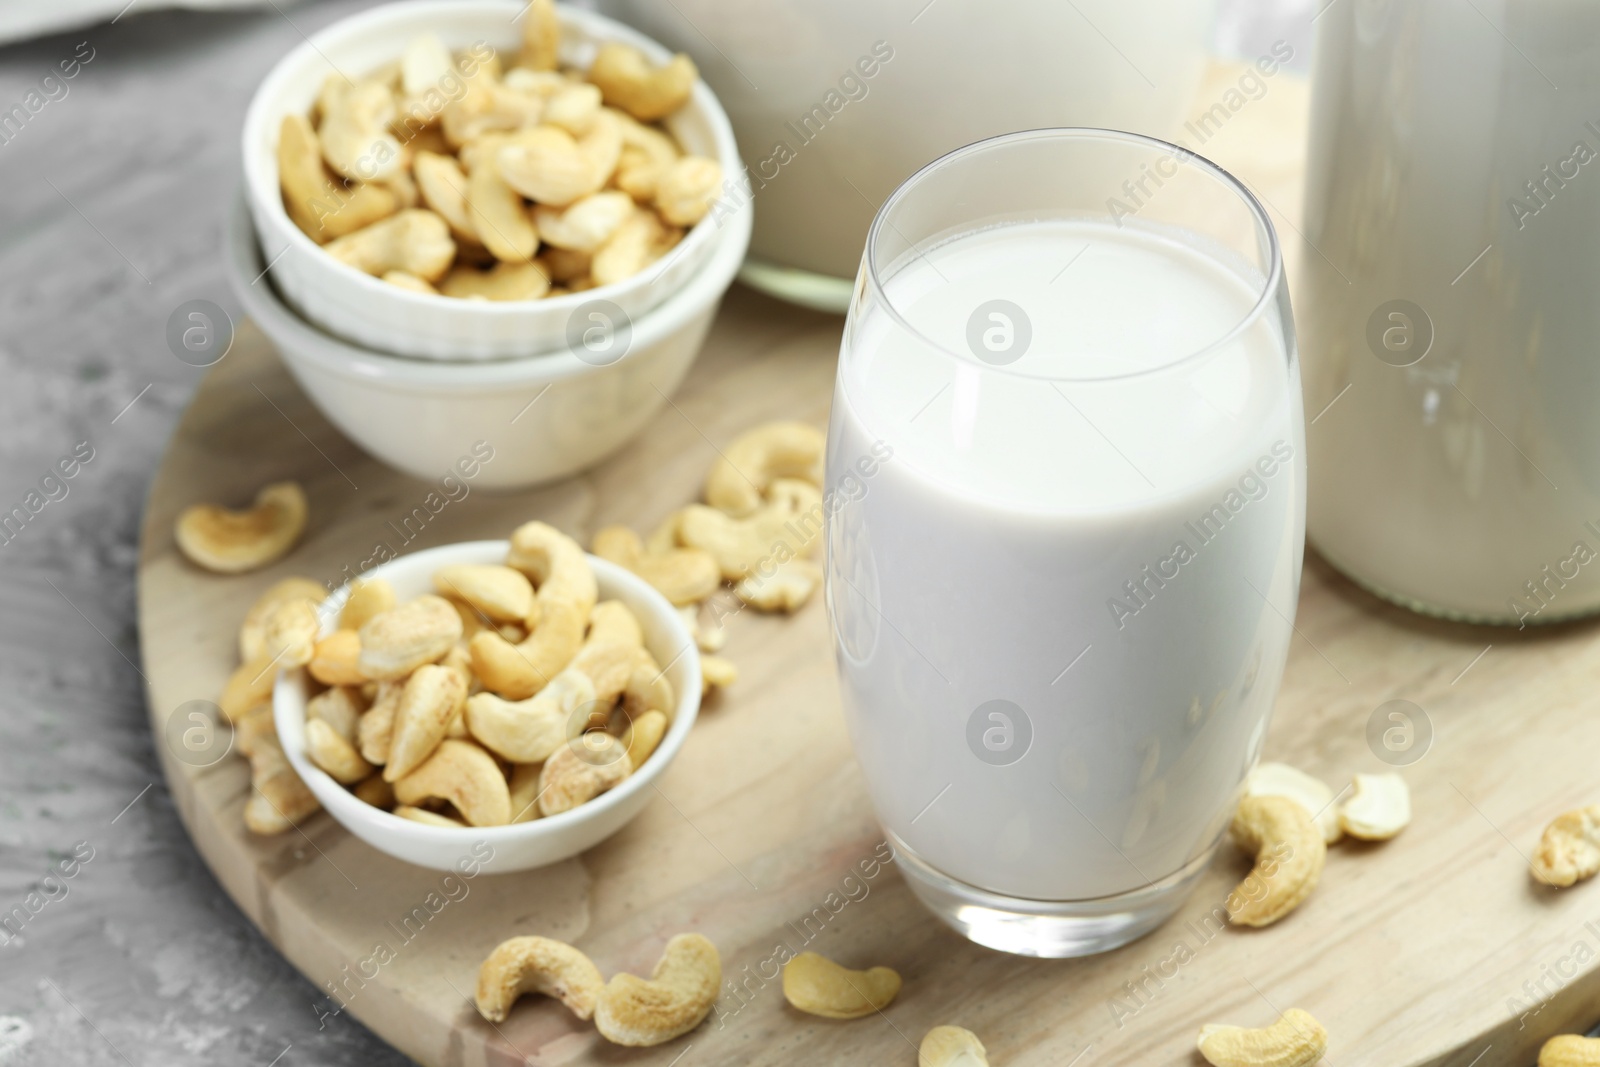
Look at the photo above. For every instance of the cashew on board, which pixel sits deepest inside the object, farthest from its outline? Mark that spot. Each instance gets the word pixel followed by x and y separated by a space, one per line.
pixel 1295 1040
pixel 818 986
pixel 674 1000
pixel 1289 853
pixel 537 965
pixel 231 542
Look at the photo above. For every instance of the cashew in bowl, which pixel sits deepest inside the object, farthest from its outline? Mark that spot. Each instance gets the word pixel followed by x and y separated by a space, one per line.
pixel 586 224
pixel 1295 1040
pixel 580 771
pixel 231 542
pixel 415 241
pixel 501 593
pixel 334 754
pixel 1289 853
pixel 368 597
pixel 951 1046
pixel 336 659
pixel 676 998
pixel 314 204
pixel 529 731
pixel 566 595
pixel 432 698
pixel 686 189
pixel 1312 794
pixel 1378 809
pixel 397 642
pixel 1569 850
pixel 537 965
pixel 818 986
pixel 356 140
pixel 627 80
pixel 1570 1050
pixel 466 776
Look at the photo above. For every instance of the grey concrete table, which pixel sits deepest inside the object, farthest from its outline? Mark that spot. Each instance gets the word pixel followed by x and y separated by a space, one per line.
pixel 111 200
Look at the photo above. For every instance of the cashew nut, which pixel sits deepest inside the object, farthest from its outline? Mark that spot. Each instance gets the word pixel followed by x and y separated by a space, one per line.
pixel 322 211
pixel 355 136
pixel 334 754
pixel 637 243
pixel 415 241
pixel 677 997
pixel 627 80
pixel 643 735
pixel 789 526
pixel 503 594
pixel 566 594
pixel 339 707
pixel 585 224
pixel 529 731
pixel 398 641
pixel 403 280
pixel 1379 808
pixel 524 786
pixel 818 986
pixel 1570 1050
pixel 466 776
pixel 546 164
pixel 443 188
pixel 279 799
pixel 503 281
pixel 430 701
pixel 369 597
pixel 1295 1040
pixel 252 727
pixel 537 965
pixel 573 108
pixel 758 457
pixel 705 639
pixel 336 660
pixel 495 209
pixel 250 642
pixel 290 633
pixel 1569 850
pixel 647 689
pixel 686 189
pixel 716 673
pixel 581 770
pixel 231 542
pixel 1312 794
pixel 786 589
pixel 646 154
pixel 951 1046
pixel 541 40
pixel 375 791
pixel 682 575
pixel 375 728
pixel 1289 853
pixel 424 64
pixel 249 685
pixel 426 817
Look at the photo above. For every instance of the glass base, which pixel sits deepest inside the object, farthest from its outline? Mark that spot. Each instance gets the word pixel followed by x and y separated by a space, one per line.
pixel 1052 929
pixel 820 292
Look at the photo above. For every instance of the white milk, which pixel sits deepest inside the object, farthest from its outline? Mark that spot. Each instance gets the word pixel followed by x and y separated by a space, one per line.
pixel 1119 560
pixel 1448 170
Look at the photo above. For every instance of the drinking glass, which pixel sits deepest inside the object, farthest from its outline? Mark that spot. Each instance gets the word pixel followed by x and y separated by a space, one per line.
pixel 1065 525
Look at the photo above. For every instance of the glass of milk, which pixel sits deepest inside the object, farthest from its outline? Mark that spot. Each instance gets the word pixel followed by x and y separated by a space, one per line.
pixel 1066 518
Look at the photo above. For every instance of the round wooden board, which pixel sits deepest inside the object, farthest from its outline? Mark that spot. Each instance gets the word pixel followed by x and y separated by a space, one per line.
pixel 1434 948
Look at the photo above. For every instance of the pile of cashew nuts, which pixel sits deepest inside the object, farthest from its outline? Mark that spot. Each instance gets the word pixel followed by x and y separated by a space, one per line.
pixel 447 174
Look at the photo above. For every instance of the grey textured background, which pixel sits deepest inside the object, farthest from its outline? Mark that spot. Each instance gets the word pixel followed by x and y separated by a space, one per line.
pixel 111 202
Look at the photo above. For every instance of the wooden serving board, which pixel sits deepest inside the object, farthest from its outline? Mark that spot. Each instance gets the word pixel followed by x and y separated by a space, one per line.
pixel 1434 948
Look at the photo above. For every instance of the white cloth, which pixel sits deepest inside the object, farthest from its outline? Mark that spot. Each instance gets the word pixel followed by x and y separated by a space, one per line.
pixel 21 19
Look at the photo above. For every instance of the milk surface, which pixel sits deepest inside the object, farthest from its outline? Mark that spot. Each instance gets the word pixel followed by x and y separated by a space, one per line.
pixel 1114 559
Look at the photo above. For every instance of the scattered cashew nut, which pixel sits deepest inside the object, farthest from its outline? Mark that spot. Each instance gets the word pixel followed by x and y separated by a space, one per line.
pixel 1570 1050
pixel 1569 850
pixel 231 542
pixel 676 998
pixel 747 468
pixel 786 589
pixel 951 1046
pixel 1379 808
pixel 818 986
pixel 279 799
pixel 1295 1040
pixel 1289 853
pixel 682 575
pixel 537 965
pixel 789 526
pixel 1312 794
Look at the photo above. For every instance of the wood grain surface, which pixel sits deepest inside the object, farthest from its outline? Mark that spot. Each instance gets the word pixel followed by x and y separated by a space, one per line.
pixel 1435 948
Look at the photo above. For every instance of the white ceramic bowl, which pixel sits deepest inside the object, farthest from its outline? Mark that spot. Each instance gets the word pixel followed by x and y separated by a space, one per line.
pixel 545 416
pixel 523 845
pixel 378 315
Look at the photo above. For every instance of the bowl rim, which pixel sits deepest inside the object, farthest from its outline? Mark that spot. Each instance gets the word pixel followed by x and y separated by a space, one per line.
pixel 345 807
pixel 243 263
pixel 261 166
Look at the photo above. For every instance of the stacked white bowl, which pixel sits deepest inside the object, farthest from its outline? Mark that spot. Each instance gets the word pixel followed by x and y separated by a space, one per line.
pixel 417 379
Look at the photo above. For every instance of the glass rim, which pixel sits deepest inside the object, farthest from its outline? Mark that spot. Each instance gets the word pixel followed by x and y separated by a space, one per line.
pixel 1272 280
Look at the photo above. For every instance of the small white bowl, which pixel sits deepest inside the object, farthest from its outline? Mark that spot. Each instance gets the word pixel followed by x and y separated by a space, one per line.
pixel 375 314
pixel 546 416
pixel 524 845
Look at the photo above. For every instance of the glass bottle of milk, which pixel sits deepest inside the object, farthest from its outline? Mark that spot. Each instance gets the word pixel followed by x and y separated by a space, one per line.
pixel 1451 305
pixel 1066 521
